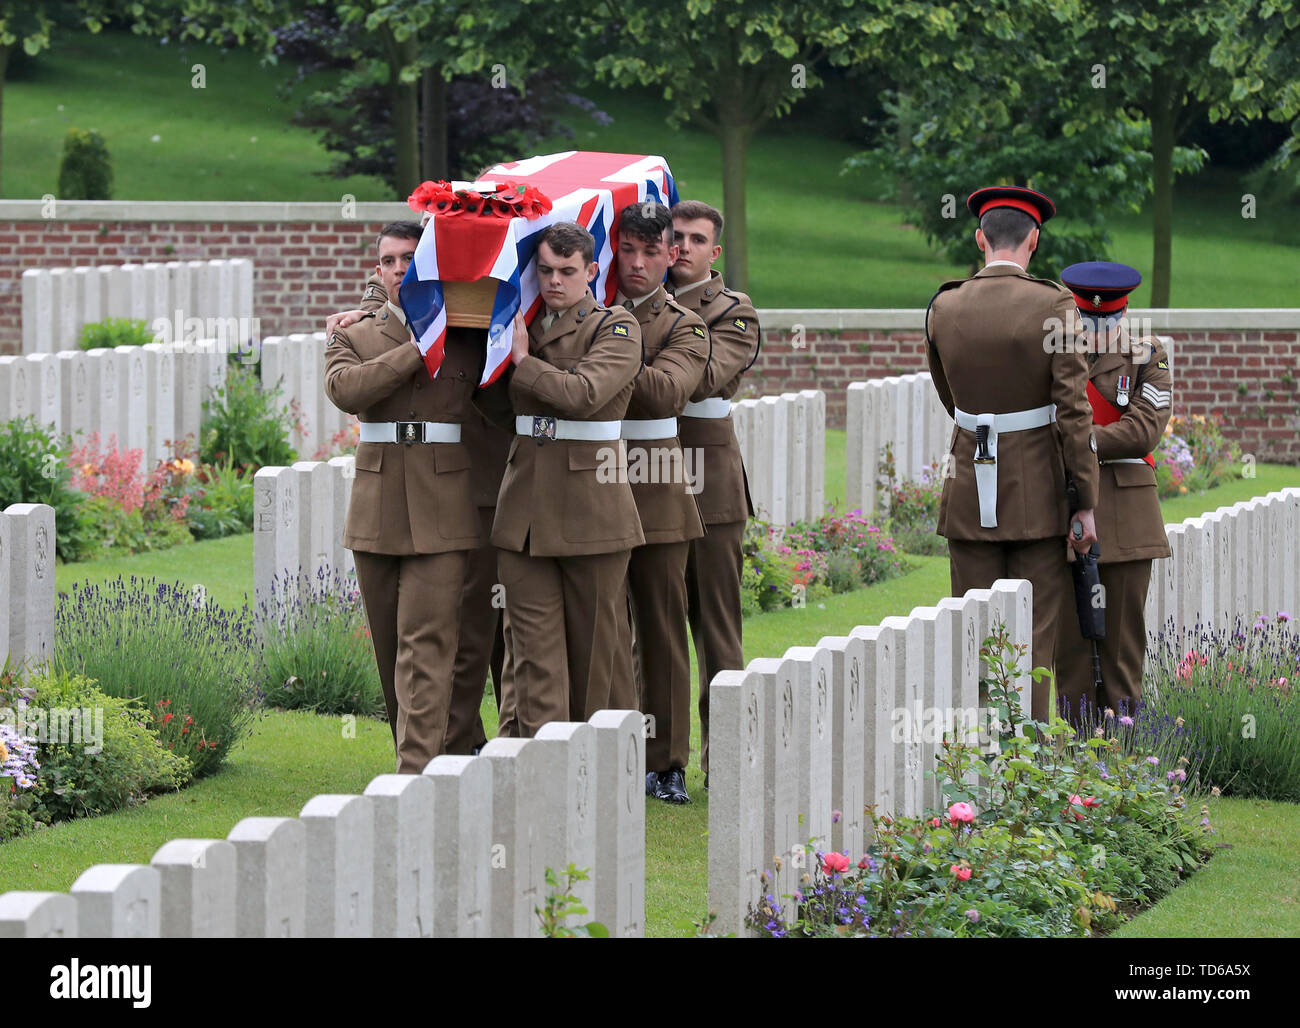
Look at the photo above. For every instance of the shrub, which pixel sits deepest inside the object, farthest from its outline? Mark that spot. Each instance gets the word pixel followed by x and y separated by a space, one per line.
pixel 245 425
pixel 84 773
pixel 1014 854
pixel 86 170
pixel 114 332
pixel 850 533
pixel 157 642
pixel 1194 456
pixel 1235 690
pixel 316 650
pixel 342 443
pixel 913 506
pixel 33 469
pixel 223 504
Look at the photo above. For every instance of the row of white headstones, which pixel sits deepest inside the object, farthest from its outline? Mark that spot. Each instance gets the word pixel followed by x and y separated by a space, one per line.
pixel 856 720
pixel 459 851
pixel 58 302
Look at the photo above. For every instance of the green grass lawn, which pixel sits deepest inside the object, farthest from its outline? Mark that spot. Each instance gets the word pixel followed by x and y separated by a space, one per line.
pixel 838 247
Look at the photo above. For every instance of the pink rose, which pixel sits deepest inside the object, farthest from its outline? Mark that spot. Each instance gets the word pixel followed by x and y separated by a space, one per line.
pixel 835 863
pixel 935 822
pixel 961 812
pixel 962 873
pixel 1076 799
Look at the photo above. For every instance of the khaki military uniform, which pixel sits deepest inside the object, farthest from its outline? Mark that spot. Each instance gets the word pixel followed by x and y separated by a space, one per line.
pixel 1130 528
pixel 989 348
pixel 566 520
pixel 715 562
pixel 675 353
pixel 411 520
pixel 481 640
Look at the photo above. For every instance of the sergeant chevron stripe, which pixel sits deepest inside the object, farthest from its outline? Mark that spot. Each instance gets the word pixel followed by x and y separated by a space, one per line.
pixel 1156 397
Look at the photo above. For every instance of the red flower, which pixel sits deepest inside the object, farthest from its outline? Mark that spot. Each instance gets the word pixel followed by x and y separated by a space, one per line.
pixel 1092 801
pixel 167 717
pixel 962 873
pixel 835 863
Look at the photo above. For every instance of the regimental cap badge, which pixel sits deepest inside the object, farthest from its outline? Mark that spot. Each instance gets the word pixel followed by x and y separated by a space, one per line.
pixel 410 433
pixel 1096 299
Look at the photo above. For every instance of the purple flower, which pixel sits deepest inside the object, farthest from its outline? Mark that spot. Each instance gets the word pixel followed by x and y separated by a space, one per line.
pixel 973 914
pixel 835 817
pixel 1126 721
pixel 1153 760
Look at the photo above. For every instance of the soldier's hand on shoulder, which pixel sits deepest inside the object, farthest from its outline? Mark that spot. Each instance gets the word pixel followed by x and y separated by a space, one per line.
pixel 342 320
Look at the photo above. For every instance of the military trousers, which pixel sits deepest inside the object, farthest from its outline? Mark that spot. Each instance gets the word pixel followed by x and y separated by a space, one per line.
pixel 713 572
pixel 565 619
pixel 977 565
pixel 414 625
pixel 656 582
pixel 481 646
pixel 1122 652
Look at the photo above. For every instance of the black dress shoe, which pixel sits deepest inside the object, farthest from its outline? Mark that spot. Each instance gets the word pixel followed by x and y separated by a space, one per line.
pixel 672 786
pixel 652 783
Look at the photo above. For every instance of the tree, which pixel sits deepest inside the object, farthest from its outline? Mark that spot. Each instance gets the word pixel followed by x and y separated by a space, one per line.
pixel 1178 60
pixel 731 66
pixel 982 99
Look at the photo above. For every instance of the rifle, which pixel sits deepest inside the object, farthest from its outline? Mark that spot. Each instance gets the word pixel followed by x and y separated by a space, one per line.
pixel 1087 585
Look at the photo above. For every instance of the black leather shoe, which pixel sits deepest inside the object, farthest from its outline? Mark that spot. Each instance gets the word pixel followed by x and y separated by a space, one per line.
pixel 672 786
pixel 652 783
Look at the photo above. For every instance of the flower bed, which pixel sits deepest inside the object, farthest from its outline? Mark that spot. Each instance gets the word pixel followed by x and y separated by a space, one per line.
pixel 1194 456
pixel 1065 834
pixel 786 566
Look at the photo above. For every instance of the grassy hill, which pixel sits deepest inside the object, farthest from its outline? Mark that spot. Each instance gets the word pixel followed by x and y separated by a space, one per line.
pixel 817 238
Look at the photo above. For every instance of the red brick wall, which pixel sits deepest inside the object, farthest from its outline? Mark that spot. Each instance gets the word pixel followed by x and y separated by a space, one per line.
pixel 306 270
pixel 1250 379
pixel 302 271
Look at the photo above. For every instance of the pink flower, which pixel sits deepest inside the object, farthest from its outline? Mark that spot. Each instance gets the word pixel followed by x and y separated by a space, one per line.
pixel 1076 798
pixel 961 812
pixel 835 817
pixel 935 822
pixel 835 863
pixel 1126 721
pixel 1092 801
pixel 962 873
pixel 973 915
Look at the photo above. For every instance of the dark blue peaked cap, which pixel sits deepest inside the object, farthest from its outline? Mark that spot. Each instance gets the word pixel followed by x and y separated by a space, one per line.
pixel 1100 287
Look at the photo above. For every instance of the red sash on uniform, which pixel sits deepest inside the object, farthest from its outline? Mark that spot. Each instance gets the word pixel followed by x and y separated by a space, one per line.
pixel 1105 413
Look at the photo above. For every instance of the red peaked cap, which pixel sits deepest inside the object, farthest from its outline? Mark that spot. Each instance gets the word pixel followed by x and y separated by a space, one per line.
pixel 1032 202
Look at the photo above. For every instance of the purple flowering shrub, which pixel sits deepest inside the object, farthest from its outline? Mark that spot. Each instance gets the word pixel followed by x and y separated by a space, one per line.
pixel 1049 831
pixel 1234 690
pixel 913 506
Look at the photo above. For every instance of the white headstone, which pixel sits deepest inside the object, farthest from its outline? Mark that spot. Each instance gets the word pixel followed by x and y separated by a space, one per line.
pixel 316 520
pixel 811 669
pixel 77 409
pixel 507 863
pixel 7 596
pixel 783 837
pixel 737 857
pixel 619 868
pixel 965 682
pixel 344 472
pixel 404 849
pixel 117 901
pixel 569 755
pixel 31 581
pixel 340 866
pixel 939 720
pixel 815 459
pixel 462 811
pixel 197 880
pixel 794 460
pixel 848 743
pixel 880 645
pixel 1012 600
pixel 105 389
pixel 271 868
pixel 38 915
pixel 907 714
pixel 37 311
pixel 15 393
pixel 277 555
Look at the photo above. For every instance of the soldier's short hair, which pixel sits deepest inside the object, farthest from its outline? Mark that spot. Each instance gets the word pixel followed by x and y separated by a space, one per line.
pixel 647 221
pixel 566 237
pixel 1006 227
pixel 401 230
pixel 693 210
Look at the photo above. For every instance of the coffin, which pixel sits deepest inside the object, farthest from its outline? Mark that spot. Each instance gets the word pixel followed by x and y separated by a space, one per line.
pixel 469 304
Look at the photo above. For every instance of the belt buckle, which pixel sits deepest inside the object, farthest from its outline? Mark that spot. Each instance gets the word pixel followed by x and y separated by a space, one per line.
pixel 543 427
pixel 409 432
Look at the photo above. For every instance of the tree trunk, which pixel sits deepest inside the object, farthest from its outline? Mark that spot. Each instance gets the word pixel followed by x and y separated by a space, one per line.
pixel 406 116
pixel 434 159
pixel 1162 180
pixel 4 65
pixel 903 140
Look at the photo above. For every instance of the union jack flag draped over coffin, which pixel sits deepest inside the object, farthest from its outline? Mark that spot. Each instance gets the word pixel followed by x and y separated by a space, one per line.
pixel 586 187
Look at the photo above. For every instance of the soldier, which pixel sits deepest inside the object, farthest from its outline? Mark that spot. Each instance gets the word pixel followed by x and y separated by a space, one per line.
pixel 480 643
pixel 1130 390
pixel 1023 422
pixel 675 348
pixel 566 520
pixel 713 568
pixel 411 521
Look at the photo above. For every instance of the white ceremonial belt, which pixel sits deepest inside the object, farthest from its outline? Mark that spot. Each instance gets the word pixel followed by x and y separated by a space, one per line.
pixel 649 428
pixel 714 407
pixel 986 467
pixel 1123 460
pixel 546 427
pixel 409 432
